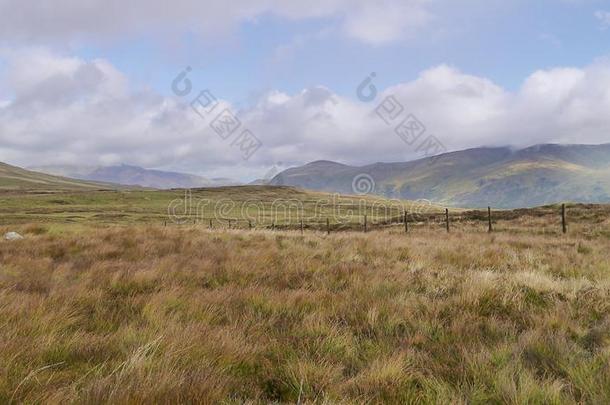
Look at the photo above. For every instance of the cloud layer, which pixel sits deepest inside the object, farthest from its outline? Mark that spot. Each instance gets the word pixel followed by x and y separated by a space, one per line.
pixel 39 21
pixel 66 110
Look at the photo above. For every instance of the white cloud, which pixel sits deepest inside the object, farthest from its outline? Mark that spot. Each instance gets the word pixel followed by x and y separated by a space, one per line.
pixel 379 23
pixel 604 19
pixel 66 110
pixel 42 20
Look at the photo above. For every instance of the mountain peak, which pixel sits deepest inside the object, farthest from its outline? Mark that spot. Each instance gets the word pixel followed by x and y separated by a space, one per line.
pixel 324 163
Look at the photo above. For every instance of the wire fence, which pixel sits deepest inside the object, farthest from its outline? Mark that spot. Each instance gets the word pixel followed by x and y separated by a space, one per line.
pixel 365 223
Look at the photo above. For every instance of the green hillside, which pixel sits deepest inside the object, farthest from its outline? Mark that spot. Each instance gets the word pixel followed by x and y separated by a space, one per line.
pixel 500 177
pixel 16 179
pixel 262 206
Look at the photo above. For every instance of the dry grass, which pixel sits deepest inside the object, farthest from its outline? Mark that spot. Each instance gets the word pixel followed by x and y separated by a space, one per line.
pixel 161 315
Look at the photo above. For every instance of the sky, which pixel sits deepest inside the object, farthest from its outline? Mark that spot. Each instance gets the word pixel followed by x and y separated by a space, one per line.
pixel 270 84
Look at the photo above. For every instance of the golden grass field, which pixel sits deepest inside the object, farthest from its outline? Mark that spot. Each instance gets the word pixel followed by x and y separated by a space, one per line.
pixel 141 313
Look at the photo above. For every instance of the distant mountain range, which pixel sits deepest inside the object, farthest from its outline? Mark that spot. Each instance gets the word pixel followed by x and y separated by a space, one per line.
pixel 501 177
pixel 135 176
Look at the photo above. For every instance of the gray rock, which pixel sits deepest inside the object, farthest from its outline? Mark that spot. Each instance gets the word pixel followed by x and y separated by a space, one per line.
pixel 12 236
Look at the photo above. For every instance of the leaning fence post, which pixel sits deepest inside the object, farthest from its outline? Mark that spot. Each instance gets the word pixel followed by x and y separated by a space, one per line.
pixel 489 220
pixel 447 218
pixel 406 223
pixel 328 226
pixel 564 225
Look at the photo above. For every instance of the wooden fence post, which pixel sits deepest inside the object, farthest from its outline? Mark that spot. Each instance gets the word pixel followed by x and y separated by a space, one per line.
pixel 164 223
pixel 564 225
pixel 302 229
pixel 489 220
pixel 229 224
pixel 447 218
pixel 273 225
pixel 327 226
pixel 406 223
pixel 211 224
pixel 365 223
pixel 249 225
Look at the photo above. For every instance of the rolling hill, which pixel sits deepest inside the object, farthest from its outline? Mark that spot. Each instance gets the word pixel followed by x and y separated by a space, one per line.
pixel 501 177
pixel 14 178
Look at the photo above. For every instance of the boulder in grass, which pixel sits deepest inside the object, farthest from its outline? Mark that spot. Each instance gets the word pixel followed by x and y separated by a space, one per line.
pixel 12 236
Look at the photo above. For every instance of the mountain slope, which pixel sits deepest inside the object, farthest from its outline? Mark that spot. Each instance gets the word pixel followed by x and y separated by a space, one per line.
pixel 500 177
pixel 136 176
pixel 14 178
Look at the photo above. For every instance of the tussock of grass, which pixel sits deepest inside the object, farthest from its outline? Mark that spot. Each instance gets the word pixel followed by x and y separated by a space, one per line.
pixel 159 315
